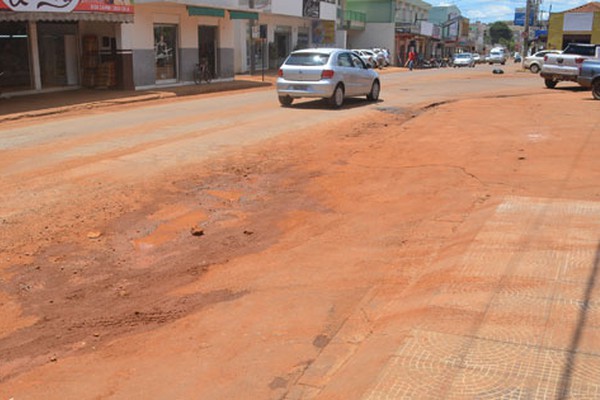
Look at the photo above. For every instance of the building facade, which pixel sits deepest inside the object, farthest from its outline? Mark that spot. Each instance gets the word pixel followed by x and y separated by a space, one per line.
pixel 50 44
pixel 578 25
pixel 380 25
pixel 415 31
pixel 283 26
pixel 116 44
pixel 454 29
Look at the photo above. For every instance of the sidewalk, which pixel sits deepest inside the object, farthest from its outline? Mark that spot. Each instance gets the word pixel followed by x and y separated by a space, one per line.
pixel 40 104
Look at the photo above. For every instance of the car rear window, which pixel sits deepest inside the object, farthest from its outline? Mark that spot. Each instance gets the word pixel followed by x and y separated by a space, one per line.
pixel 307 59
pixel 580 50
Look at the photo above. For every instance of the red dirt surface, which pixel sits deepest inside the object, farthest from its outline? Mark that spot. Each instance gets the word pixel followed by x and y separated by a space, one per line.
pixel 106 293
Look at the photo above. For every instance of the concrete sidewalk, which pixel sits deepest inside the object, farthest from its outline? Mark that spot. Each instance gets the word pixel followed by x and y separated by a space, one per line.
pixel 40 104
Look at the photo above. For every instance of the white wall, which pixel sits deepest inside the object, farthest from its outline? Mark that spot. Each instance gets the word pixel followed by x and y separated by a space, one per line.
pixel 374 35
pixel 287 7
pixel 327 11
pixel 148 15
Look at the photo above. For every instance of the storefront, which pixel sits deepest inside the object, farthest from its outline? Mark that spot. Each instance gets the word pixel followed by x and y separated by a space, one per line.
pixel 170 40
pixel 49 45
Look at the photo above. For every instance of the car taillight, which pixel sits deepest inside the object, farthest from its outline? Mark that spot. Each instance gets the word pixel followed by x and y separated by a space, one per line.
pixel 327 74
pixel 579 60
pixel 280 73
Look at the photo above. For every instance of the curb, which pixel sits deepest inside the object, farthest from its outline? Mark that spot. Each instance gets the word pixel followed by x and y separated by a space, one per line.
pixel 154 95
pixel 84 106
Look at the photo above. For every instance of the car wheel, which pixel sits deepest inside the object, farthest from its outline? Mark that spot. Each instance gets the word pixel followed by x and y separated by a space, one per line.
pixel 596 89
pixel 534 68
pixel 550 83
pixel 337 98
pixel 502 63
pixel 374 93
pixel 286 101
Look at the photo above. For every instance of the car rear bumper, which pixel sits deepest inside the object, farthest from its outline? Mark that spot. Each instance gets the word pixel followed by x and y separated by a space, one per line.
pixel 296 89
pixel 558 77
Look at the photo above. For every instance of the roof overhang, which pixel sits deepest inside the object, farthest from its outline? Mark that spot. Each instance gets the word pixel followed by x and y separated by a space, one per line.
pixel 10 16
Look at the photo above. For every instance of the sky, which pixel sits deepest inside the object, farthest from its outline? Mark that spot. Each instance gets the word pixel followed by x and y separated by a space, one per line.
pixel 502 10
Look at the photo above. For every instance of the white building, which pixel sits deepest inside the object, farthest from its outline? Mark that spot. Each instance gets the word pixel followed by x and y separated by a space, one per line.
pixel 118 43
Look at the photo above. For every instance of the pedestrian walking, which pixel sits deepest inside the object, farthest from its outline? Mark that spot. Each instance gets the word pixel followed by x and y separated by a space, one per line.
pixel 412 56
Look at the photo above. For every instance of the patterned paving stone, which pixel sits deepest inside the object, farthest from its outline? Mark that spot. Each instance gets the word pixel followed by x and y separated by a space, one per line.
pixel 518 319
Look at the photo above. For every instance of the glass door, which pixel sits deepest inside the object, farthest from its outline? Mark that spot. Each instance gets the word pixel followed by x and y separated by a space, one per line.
pixel 58 53
pixel 207 47
pixel 165 52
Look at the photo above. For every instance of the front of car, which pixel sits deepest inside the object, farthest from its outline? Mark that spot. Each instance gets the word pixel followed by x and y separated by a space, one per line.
pixel 463 60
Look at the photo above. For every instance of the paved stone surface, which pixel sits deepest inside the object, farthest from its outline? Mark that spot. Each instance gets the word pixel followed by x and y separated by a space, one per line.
pixel 518 320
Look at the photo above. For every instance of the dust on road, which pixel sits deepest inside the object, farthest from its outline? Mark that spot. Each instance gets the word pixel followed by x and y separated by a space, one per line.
pixel 297 232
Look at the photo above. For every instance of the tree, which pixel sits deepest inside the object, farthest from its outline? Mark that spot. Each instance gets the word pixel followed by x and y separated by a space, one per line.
pixel 499 30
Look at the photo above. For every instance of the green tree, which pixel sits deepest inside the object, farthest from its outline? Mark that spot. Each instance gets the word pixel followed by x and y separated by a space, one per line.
pixel 499 30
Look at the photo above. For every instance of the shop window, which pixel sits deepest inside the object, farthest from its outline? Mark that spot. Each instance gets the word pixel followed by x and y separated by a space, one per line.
pixel 15 71
pixel 165 52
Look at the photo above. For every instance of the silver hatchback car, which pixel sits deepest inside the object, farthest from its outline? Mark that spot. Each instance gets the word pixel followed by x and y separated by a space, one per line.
pixel 332 74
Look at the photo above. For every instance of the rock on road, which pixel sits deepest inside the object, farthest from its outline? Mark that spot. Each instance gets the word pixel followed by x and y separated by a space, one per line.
pixel 441 243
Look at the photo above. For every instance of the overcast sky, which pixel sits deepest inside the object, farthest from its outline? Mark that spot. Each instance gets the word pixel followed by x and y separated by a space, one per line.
pixel 495 10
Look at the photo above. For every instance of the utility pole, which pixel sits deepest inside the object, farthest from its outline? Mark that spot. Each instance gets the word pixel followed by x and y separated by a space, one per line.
pixel 251 37
pixel 526 31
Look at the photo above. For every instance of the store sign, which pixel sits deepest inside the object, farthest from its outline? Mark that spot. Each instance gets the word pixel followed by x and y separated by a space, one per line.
pixel 65 6
pixel 323 32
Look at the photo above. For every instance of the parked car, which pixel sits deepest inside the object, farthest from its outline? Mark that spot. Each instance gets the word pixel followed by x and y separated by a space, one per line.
pixel 370 54
pixel 463 60
pixel 331 74
pixel 383 57
pixel 535 61
pixel 368 58
pixel 565 66
pixel 477 58
pixel 589 76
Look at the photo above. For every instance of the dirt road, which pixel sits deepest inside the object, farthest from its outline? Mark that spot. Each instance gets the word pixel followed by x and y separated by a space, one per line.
pixel 225 248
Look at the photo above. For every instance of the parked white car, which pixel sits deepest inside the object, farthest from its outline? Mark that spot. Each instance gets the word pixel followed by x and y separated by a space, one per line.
pixel 367 57
pixel 535 62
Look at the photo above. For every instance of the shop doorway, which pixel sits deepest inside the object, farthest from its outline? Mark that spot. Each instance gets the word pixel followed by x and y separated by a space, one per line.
pixel 282 45
pixel 15 73
pixel 57 44
pixel 207 47
pixel 568 39
pixel 165 53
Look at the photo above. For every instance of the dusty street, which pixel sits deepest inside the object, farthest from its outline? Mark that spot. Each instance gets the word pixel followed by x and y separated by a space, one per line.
pixel 442 243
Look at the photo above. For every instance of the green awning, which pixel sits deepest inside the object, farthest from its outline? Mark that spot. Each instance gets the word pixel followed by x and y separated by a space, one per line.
pixel 205 11
pixel 243 15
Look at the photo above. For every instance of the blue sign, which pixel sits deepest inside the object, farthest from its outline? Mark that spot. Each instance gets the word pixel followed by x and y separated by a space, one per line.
pixel 540 33
pixel 520 18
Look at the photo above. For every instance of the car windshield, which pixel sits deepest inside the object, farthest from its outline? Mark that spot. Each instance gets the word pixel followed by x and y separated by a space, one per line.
pixel 307 59
pixel 495 53
pixel 463 56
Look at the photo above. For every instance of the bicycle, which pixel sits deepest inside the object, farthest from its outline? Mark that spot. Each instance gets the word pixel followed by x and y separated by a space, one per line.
pixel 202 73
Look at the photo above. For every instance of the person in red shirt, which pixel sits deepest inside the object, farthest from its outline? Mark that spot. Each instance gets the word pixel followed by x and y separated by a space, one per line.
pixel 412 56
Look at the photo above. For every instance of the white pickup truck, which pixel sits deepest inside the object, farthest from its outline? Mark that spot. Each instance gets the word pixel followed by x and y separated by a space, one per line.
pixel 565 66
